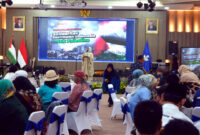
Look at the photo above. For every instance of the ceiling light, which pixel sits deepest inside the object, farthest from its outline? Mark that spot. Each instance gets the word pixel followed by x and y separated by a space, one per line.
pixel 9 2
pixel 110 7
pixel 52 6
pixel 139 4
pixel 152 5
pixel 146 6
pixel 3 3
pixel 166 8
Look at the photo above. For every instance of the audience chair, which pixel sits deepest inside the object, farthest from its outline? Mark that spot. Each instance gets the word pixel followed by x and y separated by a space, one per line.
pixel 66 86
pixel 116 102
pixel 127 116
pixel 63 97
pixel 78 121
pixel 196 114
pixel 90 84
pixel 197 125
pixel 93 108
pixel 56 125
pixel 35 123
pixel 129 90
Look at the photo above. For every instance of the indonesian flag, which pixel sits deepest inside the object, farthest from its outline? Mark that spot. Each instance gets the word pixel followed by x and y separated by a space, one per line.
pixel 11 54
pixel 22 55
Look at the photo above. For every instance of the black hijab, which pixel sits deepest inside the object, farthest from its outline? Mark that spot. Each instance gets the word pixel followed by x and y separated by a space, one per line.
pixel 110 75
pixel 23 83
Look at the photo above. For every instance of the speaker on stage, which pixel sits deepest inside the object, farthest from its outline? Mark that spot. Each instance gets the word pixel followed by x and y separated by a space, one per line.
pixel 173 47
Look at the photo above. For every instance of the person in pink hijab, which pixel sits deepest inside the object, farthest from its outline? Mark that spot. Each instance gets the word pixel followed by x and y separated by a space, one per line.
pixel 79 88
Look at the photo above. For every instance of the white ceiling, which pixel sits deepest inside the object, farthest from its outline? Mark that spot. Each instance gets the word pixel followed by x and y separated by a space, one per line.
pixel 115 4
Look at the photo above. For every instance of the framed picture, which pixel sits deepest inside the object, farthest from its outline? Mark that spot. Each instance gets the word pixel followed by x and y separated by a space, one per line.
pixel 152 25
pixel 18 23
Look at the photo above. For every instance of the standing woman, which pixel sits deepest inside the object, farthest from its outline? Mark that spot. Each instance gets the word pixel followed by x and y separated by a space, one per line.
pixel 110 77
pixel 50 86
pixel 87 64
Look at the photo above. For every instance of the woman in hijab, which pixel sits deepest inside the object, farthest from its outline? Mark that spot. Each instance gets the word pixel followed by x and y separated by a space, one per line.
pixel 110 77
pixel 79 88
pixel 136 74
pixel 143 92
pixel 189 78
pixel 13 115
pixel 26 93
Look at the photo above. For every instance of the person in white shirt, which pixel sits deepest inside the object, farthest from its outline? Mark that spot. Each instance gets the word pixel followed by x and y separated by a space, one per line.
pixel 174 99
pixel 11 73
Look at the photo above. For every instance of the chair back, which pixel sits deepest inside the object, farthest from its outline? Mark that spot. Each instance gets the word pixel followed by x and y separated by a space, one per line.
pixel 57 119
pixel 112 92
pixel 94 104
pixel 129 90
pixel 66 86
pixel 196 114
pixel 127 116
pixel 35 123
pixel 90 84
pixel 85 99
pixel 62 96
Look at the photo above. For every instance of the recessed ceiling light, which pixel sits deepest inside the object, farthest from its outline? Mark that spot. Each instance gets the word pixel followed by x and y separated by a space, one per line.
pixel 110 7
pixel 52 6
pixel 166 8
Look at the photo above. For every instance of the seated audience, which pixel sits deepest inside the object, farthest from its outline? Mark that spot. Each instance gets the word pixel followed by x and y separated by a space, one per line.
pixel 31 77
pixel 11 73
pixel 160 95
pixel 13 115
pixel 197 71
pixel 136 74
pixel 110 77
pixel 62 77
pixel 148 118
pixel 172 79
pixel 49 87
pixel 161 76
pixel 188 78
pixel 79 88
pixel 174 99
pixel 196 101
pixel 180 127
pixel 137 65
pixel 143 92
pixel 21 73
pixel 26 93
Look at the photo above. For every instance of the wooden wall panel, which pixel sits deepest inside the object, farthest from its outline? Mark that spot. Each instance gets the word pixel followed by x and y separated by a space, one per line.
pixel 157 42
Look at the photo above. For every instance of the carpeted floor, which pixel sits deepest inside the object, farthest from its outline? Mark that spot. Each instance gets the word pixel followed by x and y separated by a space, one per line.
pixel 110 127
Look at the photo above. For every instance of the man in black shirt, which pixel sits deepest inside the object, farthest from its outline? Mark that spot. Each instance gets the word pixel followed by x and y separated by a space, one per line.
pixel 137 65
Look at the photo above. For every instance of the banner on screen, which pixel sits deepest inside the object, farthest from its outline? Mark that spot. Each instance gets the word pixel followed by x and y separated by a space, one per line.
pixel 67 39
pixel 190 57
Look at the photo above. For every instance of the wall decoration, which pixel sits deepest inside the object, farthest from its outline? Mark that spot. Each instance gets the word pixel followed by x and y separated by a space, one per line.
pixel 18 23
pixel 85 13
pixel 152 25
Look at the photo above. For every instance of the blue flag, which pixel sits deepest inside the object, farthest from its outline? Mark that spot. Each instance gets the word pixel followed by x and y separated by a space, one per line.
pixel 147 58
